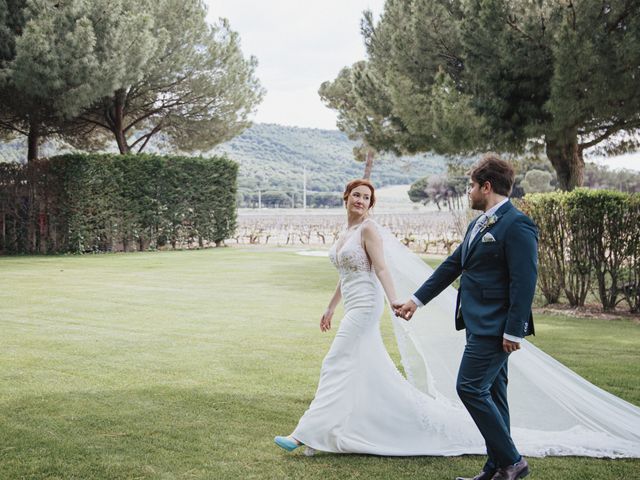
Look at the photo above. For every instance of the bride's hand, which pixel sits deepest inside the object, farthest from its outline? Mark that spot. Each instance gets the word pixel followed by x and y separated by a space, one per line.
pixel 396 306
pixel 325 321
pixel 405 310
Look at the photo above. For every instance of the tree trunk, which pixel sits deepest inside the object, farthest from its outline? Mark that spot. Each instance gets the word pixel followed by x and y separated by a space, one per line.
pixel 33 139
pixel 122 142
pixel 368 165
pixel 565 155
pixel 116 120
pixel 3 231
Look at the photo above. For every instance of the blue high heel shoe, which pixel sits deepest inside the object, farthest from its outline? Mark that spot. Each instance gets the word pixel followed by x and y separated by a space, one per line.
pixel 286 443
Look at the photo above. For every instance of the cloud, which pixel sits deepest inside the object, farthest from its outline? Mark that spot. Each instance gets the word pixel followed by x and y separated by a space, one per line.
pixel 299 45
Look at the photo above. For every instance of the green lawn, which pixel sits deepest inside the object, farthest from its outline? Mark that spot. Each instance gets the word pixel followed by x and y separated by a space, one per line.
pixel 186 364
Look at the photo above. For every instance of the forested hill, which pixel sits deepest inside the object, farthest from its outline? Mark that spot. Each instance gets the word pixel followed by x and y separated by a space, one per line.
pixel 273 157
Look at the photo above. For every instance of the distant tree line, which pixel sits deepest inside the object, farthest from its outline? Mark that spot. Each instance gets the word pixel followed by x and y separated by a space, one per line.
pixel 122 71
pixel 441 190
pixel 462 76
pixel 533 175
pixel 279 199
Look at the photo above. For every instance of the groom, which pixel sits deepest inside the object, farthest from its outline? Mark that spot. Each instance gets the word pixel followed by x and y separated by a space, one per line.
pixel 498 263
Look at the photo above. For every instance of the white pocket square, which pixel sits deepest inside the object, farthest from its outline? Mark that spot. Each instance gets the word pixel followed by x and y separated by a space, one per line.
pixel 488 238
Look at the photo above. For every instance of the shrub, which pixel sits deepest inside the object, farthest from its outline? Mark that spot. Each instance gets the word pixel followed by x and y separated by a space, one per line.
pixel 547 211
pixel 587 234
pixel 84 203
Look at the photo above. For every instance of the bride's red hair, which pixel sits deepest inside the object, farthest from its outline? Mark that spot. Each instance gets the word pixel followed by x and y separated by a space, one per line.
pixel 358 182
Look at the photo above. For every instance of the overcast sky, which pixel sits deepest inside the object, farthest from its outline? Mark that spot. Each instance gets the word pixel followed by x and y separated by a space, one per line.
pixel 299 44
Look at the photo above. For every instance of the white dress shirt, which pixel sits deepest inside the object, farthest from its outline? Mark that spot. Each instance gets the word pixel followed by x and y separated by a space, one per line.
pixel 488 213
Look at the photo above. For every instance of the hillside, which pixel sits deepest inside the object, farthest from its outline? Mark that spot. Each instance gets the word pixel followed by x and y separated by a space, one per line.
pixel 273 157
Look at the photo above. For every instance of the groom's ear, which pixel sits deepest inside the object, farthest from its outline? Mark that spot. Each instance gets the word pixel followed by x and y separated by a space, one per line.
pixel 486 187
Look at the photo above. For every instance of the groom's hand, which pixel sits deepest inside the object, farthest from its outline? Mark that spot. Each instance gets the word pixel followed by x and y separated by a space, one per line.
pixel 405 310
pixel 508 346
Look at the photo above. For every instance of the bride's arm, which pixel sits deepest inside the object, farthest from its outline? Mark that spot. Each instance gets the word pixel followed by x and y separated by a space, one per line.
pixel 325 321
pixel 373 246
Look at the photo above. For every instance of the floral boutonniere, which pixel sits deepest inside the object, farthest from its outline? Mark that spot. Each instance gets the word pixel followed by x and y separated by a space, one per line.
pixel 492 219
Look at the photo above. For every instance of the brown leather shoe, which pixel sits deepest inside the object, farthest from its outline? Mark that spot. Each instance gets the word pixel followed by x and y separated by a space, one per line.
pixel 513 472
pixel 481 476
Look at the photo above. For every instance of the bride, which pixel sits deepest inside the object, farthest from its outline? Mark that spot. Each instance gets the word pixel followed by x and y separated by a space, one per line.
pixel 364 405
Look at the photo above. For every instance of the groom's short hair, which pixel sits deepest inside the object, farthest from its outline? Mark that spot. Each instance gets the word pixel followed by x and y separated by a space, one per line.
pixel 499 173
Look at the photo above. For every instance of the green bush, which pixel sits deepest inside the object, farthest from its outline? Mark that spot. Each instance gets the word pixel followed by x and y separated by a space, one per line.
pixel 84 203
pixel 630 275
pixel 584 235
pixel 548 212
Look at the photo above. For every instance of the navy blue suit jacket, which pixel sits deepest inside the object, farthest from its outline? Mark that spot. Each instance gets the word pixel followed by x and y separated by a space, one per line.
pixel 498 278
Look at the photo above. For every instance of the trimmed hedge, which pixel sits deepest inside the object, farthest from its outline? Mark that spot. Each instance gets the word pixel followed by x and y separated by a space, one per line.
pixel 98 203
pixel 588 237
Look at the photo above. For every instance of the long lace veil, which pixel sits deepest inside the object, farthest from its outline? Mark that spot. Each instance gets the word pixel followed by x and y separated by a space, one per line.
pixel 554 411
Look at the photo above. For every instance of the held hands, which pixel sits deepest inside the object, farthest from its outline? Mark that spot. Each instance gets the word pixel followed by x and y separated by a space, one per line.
pixel 404 310
pixel 325 321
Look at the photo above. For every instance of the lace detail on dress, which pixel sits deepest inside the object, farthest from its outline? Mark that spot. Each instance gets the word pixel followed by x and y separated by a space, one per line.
pixel 422 406
pixel 351 257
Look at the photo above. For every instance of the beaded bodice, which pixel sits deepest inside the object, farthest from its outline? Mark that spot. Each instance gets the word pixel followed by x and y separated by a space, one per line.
pixel 348 254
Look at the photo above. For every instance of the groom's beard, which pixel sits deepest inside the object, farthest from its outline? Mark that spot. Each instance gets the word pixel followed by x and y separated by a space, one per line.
pixel 478 204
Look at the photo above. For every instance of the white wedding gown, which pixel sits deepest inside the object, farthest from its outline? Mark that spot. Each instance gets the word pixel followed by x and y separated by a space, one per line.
pixel 364 405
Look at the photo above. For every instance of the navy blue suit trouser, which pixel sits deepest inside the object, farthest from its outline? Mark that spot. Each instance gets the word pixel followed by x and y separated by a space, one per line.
pixel 482 387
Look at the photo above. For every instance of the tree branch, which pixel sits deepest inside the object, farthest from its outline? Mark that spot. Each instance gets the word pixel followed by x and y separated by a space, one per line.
pixel 177 102
pixel 616 127
pixel 149 114
pixel 141 118
pixel 623 15
pixel 512 22
pixel 95 122
pixel 573 14
pixel 12 128
pixel 146 137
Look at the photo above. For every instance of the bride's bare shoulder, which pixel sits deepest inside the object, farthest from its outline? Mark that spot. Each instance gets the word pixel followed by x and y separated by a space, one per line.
pixel 370 228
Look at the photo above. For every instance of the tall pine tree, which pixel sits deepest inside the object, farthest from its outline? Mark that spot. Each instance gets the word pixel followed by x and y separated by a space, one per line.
pixel 194 85
pixel 95 70
pixel 467 75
